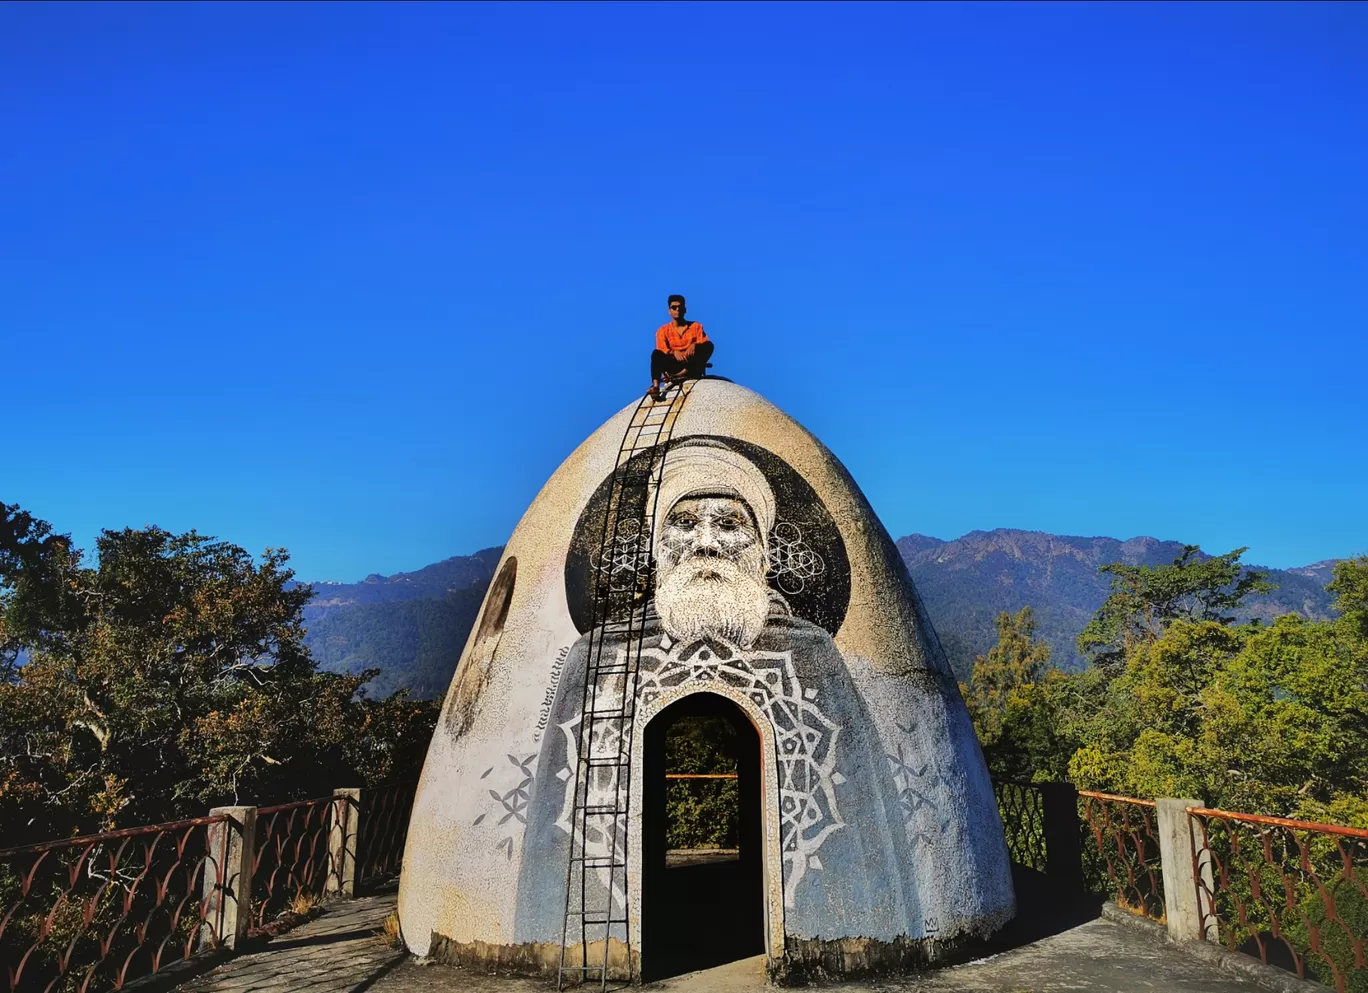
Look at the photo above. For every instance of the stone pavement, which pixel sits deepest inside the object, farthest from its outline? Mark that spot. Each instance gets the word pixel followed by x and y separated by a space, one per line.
pixel 343 952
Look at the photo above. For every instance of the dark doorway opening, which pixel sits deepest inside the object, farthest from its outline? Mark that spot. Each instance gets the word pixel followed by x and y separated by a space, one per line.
pixel 702 844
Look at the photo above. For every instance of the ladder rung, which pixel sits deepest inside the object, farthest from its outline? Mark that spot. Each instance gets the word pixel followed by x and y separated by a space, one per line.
pixel 611 671
pixel 611 764
pixel 604 763
pixel 603 808
pixel 598 863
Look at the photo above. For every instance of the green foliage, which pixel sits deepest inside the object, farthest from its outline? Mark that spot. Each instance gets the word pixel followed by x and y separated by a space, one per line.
pixel 1350 587
pixel 169 676
pixel 966 583
pixel 1016 701
pixel 1264 718
pixel 1145 600
pixel 1336 946
pixel 1261 718
pixel 1269 720
pixel 38 603
pixel 701 813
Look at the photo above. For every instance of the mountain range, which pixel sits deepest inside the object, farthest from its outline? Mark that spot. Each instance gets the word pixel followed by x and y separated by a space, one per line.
pixel 413 626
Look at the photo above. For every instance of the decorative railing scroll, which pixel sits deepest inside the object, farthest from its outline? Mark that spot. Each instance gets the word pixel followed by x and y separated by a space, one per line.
pixel 1292 893
pixel 291 863
pixel 384 829
pixel 1022 807
pixel 94 913
pixel 1124 845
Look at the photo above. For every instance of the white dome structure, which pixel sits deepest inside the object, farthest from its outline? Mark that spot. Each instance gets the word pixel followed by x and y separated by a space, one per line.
pixel 749 579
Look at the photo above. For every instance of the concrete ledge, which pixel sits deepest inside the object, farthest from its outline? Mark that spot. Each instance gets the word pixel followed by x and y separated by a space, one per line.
pixel 531 958
pixel 809 961
pixel 1267 976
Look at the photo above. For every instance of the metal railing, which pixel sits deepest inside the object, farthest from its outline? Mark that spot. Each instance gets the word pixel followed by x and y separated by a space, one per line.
pixel 1125 844
pixel 1022 808
pixel 92 914
pixel 383 831
pixel 1292 893
pixel 86 915
pixel 292 862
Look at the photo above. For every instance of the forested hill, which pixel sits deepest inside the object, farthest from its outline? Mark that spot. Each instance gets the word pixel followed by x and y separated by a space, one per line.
pixel 413 626
pixel 967 582
pixel 429 583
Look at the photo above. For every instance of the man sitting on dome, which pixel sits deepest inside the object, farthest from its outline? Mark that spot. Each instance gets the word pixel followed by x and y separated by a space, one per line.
pixel 682 349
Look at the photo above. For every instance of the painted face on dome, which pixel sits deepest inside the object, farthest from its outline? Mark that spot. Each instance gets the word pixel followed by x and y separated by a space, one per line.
pixel 710 572
pixel 704 528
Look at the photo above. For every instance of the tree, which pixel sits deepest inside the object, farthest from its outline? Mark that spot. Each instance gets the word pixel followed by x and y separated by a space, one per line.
pixel 702 813
pixel 1145 600
pixel 170 675
pixel 1260 717
pixel 38 603
pixel 1264 718
pixel 1350 587
pixel 1018 703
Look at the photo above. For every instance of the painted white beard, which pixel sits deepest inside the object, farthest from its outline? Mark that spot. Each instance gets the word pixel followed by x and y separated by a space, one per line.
pixel 732 603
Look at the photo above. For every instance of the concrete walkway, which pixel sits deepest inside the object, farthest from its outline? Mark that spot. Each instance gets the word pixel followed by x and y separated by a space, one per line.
pixel 343 952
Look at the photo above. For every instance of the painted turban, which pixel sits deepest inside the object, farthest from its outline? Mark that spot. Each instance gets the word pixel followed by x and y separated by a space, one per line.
pixel 704 468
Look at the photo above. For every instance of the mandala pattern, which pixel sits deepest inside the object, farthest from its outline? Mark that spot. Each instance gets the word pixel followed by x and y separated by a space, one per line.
pixel 625 556
pixel 605 834
pixel 805 742
pixel 790 562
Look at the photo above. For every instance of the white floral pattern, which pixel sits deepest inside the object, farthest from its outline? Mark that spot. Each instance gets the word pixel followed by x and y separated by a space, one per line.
pixel 805 742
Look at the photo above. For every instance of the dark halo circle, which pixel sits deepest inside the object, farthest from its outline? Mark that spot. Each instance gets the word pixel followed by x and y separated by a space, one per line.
pixel 822 598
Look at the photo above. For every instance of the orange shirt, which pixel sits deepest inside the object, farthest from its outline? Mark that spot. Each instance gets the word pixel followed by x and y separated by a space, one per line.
pixel 670 338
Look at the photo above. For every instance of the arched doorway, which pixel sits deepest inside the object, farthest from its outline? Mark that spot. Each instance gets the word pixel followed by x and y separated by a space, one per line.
pixel 702 843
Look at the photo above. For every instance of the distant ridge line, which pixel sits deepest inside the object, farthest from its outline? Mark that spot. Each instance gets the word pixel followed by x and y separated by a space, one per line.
pixel 413 625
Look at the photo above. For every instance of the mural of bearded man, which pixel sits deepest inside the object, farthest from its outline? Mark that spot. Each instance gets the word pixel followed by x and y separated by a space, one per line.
pixel 716 621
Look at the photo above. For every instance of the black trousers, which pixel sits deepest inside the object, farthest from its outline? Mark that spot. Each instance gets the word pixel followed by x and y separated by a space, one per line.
pixel 693 367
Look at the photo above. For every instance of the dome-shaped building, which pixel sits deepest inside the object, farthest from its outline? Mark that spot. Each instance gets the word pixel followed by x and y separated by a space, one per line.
pixel 718 561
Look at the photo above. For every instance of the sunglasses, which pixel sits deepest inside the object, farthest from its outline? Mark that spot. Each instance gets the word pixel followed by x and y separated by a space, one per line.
pixel 676 306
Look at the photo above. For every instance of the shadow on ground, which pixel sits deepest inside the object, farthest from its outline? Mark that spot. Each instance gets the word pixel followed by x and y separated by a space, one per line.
pixel 1043 909
pixel 705 914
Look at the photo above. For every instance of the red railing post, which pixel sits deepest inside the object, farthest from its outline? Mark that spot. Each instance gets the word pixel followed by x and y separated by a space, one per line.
pixel 227 892
pixel 342 842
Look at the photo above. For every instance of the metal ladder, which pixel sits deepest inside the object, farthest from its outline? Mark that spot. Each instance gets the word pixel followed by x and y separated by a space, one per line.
pixel 602 764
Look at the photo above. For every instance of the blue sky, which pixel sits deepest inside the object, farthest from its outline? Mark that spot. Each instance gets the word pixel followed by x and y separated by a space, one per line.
pixel 353 279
